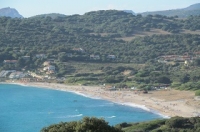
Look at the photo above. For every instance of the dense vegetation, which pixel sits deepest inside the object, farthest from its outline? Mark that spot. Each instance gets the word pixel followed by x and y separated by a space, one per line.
pixel 85 125
pixel 96 33
pixel 174 124
pixel 102 33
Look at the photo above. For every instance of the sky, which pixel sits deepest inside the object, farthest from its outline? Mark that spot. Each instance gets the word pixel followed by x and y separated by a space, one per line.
pixel 28 8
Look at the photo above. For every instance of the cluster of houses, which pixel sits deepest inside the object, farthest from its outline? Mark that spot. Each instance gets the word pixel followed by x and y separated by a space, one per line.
pixel 177 58
pixel 48 67
pixel 97 57
pixel 92 56
pixel 44 56
pixel 12 74
pixel 26 58
pixel 17 75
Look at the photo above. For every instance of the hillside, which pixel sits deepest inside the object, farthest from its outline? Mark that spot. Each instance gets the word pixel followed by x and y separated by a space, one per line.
pixel 97 31
pixel 99 37
pixel 181 13
pixel 193 7
pixel 10 12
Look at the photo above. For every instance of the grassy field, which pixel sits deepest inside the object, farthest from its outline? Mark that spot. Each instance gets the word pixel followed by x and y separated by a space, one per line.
pixel 155 32
pixel 190 32
pixel 95 73
pixel 85 67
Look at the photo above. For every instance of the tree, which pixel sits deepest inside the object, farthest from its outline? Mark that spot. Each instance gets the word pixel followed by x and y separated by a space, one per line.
pixel 20 62
pixel 62 57
pixel 185 78
pixel 164 79
pixel 197 62
pixel 176 122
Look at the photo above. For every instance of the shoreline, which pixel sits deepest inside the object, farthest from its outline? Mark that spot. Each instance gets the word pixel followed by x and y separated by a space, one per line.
pixel 162 107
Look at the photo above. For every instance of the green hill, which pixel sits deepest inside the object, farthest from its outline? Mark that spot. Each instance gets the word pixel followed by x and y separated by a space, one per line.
pixel 102 33
pixel 193 7
pixel 193 10
pixel 100 37
pixel 52 15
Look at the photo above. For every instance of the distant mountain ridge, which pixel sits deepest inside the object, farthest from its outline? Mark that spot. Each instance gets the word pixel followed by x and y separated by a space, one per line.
pixel 129 11
pixel 10 12
pixel 52 15
pixel 181 13
pixel 193 7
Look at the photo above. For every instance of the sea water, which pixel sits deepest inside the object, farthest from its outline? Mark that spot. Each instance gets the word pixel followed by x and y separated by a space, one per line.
pixel 29 109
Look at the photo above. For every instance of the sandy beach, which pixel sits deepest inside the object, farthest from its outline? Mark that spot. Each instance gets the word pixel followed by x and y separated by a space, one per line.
pixel 168 103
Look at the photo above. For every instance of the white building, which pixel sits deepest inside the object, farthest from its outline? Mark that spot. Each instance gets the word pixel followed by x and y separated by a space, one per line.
pixel 111 56
pixel 49 68
pixel 95 57
pixel 16 75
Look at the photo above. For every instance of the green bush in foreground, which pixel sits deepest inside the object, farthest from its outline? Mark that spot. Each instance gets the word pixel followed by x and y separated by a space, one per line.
pixel 174 124
pixel 87 124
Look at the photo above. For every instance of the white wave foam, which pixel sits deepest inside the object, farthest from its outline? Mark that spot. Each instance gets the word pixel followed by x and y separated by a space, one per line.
pixel 96 106
pixel 24 85
pixel 84 95
pixel 111 117
pixel 103 105
pixel 70 116
pixel 15 83
pixel 62 90
pixel 75 115
pixel 158 113
pixel 127 104
pixel 146 109
pixel 136 106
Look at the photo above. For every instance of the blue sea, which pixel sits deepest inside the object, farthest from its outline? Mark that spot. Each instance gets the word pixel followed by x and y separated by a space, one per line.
pixel 29 109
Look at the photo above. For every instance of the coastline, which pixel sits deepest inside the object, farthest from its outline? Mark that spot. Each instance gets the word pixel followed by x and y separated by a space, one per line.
pixel 151 102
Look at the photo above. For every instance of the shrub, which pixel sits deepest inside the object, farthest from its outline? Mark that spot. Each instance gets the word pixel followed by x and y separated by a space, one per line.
pixel 197 93
pixel 175 122
pixel 87 124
